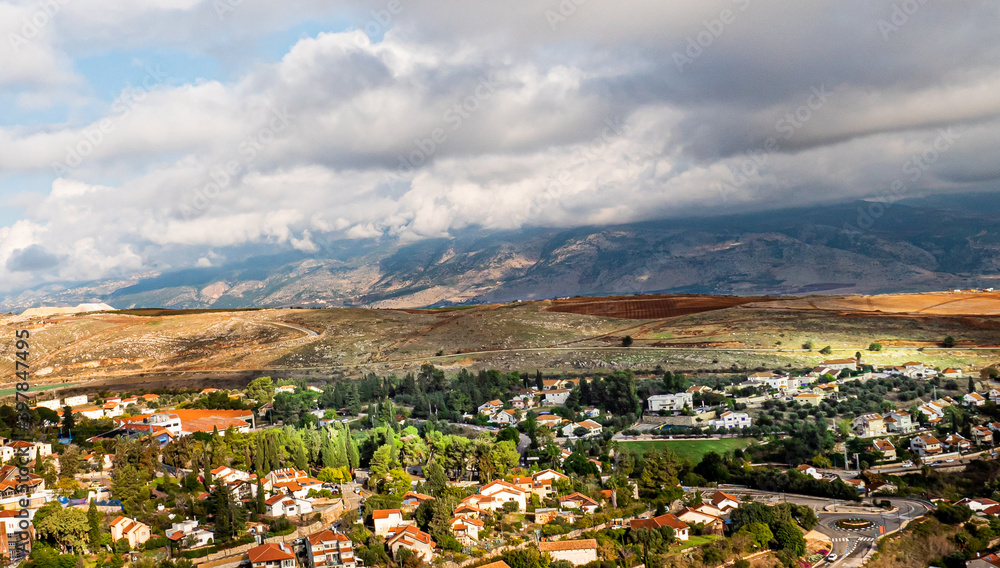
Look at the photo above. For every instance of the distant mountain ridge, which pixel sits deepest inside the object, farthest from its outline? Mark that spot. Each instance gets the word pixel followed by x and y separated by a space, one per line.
pixel 857 247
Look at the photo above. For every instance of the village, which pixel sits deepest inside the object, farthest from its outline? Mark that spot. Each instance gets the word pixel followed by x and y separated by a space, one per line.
pixel 501 469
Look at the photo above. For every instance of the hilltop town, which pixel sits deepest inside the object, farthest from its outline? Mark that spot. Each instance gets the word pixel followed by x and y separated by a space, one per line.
pixel 840 463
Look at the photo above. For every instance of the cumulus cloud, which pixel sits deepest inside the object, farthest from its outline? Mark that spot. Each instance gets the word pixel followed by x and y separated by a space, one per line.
pixel 416 121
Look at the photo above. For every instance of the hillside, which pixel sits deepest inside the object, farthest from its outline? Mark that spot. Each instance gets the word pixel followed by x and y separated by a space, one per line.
pixel 170 348
pixel 796 251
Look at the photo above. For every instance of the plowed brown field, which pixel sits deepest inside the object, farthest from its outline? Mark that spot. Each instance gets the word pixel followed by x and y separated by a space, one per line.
pixel 649 307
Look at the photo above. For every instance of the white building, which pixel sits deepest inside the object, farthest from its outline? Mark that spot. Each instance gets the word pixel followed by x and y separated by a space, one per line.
pixel 670 402
pixel 556 396
pixel 75 400
pixel 577 552
pixel 729 420
pixel 189 534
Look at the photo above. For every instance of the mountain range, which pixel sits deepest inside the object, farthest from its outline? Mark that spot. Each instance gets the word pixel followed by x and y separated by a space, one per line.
pixel 856 247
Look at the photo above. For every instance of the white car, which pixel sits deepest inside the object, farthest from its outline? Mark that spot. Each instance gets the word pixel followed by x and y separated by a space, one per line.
pixel 949 460
pixel 907 464
pixel 831 557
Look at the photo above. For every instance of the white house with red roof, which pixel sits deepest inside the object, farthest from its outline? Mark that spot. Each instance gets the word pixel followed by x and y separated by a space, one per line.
pixel 273 555
pixel 466 530
pixel 189 533
pixel 130 529
pixel 493 495
pixel 578 501
pixel 592 428
pixel 925 445
pixel 328 549
pixel 386 519
pixel 413 539
pixel 973 399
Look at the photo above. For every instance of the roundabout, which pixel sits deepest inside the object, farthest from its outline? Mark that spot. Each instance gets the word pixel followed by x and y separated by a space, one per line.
pixel 854 524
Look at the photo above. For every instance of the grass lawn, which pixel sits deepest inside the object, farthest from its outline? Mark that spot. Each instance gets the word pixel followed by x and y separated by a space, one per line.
pixel 37 388
pixel 692 542
pixel 691 450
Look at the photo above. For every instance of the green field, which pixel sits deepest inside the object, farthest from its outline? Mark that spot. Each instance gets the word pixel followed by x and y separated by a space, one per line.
pixel 690 450
pixel 37 388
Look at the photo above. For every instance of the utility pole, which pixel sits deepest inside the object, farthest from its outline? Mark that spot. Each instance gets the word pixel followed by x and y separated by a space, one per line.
pixel 857 464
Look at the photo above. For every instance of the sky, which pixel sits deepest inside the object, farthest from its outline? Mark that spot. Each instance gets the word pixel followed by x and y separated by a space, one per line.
pixel 139 136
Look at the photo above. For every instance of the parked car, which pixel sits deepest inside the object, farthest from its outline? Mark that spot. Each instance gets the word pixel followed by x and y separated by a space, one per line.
pixel 831 557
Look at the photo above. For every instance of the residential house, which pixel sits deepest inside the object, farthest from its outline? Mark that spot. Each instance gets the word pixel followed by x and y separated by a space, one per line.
pixel 576 552
pixel 898 423
pixel 974 399
pixel 840 364
pixel 868 425
pixel 386 519
pixel 490 407
pixel 885 448
pixel 328 549
pixel 130 529
pixel 982 436
pixel 978 505
pixel 957 442
pixel 505 417
pixel 466 530
pixel 952 373
pixel 413 539
pixel 274 555
pixel 578 501
pixel 412 500
pixel 189 534
pixel 556 397
pixel 994 396
pixel 681 529
pixel 551 475
pixel 808 398
pixel 550 420
pixel 593 429
pixel 810 471
pixel 283 505
pixel 724 502
pixel 729 420
pixel 493 495
pixel 925 445
pixel 469 511
pixel 691 516
pixel 670 402
pixel 858 484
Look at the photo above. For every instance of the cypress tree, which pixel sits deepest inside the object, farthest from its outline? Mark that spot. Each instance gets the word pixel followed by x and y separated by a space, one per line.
pixel 207 468
pixel 94 522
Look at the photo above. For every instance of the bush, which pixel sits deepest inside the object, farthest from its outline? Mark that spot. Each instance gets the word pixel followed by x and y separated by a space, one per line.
pixel 875 347
pixel 158 542
pixel 826 350
pixel 808 345
pixel 741 563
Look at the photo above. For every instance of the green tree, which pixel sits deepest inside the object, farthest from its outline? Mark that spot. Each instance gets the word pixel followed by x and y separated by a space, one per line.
pixel 826 350
pixel 127 485
pixel 261 390
pixel 94 524
pixel 875 346
pixel 68 421
pixel 759 533
pixel 627 341
pixel 67 528
pixel 789 537
pixel 948 342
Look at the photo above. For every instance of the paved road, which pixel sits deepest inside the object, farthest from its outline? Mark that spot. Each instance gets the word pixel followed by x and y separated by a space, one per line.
pixel 850 546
